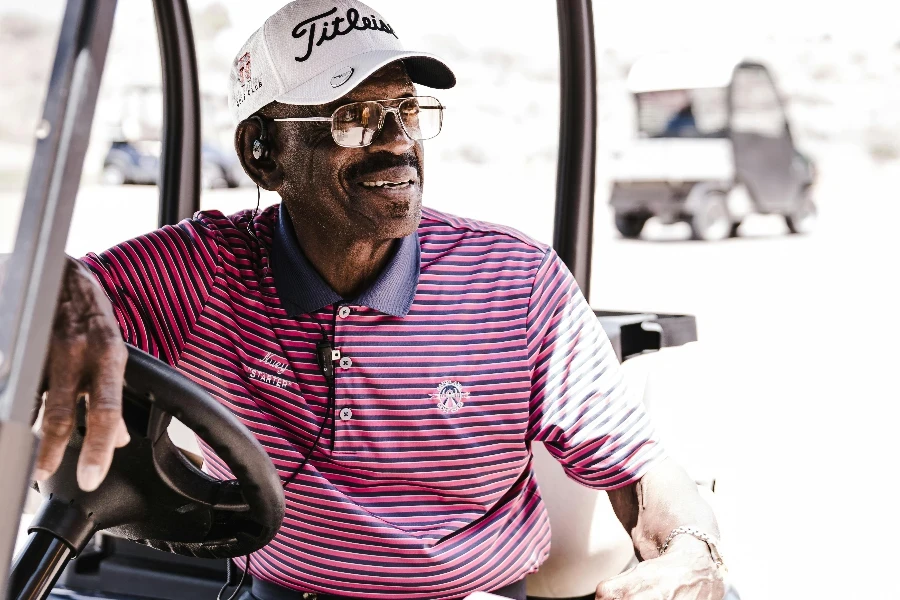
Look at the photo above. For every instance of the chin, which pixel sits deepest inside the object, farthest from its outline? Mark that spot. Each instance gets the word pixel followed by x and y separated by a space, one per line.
pixel 402 225
pixel 384 214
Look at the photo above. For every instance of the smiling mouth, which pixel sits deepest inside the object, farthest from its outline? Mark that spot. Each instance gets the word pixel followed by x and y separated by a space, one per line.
pixel 386 184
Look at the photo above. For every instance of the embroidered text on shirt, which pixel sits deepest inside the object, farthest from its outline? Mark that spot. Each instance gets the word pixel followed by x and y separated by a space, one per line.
pixel 280 367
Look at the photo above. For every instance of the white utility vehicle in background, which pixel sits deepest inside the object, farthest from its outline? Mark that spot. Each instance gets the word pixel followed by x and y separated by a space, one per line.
pixel 712 145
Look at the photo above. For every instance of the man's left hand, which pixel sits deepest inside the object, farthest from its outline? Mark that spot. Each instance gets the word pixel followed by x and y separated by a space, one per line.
pixel 685 572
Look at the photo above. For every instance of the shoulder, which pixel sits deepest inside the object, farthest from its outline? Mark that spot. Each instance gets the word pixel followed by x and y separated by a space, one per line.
pixel 442 230
pixel 237 229
pixel 217 221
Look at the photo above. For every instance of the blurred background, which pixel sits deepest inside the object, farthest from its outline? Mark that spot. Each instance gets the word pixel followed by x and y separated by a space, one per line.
pixel 788 399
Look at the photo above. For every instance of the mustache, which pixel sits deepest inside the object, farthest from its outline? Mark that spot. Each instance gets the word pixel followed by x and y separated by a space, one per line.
pixel 384 160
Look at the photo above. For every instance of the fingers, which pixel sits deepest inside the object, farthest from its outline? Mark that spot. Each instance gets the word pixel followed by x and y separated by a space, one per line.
pixel 664 577
pixel 87 355
pixel 122 437
pixel 105 428
pixel 59 410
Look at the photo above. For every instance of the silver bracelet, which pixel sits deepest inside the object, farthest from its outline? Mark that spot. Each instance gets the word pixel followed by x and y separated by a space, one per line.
pixel 710 542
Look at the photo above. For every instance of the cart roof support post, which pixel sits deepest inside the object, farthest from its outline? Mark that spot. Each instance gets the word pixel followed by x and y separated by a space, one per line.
pixel 574 221
pixel 179 187
pixel 28 297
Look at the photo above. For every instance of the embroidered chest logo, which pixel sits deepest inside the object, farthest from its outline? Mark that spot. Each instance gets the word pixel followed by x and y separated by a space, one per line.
pixel 272 362
pixel 450 396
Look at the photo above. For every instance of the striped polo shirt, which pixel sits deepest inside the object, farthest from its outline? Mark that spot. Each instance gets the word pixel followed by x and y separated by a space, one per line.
pixel 473 343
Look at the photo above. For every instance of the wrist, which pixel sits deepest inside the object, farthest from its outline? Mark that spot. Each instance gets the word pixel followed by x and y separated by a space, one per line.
pixel 688 544
pixel 689 541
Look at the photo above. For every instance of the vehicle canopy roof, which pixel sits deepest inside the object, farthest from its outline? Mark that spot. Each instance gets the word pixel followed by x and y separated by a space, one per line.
pixel 685 71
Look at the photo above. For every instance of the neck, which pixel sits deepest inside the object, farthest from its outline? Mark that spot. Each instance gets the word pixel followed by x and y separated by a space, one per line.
pixel 348 266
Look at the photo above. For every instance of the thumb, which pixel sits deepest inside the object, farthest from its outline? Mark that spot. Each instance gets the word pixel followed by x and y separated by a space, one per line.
pixel 619 587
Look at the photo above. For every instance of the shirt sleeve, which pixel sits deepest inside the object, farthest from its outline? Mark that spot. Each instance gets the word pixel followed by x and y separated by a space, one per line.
pixel 158 284
pixel 580 406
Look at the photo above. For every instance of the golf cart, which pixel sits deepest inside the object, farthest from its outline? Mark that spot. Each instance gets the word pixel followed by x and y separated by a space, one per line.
pixel 158 527
pixel 134 152
pixel 713 145
pixel 137 161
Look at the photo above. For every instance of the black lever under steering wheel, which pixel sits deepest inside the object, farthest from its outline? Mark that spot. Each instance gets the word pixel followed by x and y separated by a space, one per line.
pixel 153 494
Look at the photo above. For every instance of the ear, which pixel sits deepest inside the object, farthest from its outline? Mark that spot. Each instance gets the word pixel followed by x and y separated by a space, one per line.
pixel 265 171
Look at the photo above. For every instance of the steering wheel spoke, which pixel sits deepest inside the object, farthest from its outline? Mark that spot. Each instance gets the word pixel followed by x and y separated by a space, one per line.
pixel 187 480
pixel 157 423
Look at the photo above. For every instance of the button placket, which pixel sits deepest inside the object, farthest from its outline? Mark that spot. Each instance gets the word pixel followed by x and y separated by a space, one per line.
pixel 345 414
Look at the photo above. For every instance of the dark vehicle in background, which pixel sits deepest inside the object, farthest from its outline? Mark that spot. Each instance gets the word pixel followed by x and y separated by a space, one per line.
pixel 138 162
pixel 713 145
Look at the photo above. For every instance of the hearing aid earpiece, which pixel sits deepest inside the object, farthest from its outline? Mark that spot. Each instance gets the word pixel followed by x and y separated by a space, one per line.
pixel 261 143
pixel 259 150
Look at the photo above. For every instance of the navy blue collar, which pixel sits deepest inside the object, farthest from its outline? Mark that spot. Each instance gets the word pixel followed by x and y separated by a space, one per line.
pixel 302 290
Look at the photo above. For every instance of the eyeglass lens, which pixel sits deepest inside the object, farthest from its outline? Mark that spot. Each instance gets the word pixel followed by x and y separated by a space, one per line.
pixel 355 125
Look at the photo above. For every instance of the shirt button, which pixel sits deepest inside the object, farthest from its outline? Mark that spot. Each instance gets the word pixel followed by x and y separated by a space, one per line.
pixel 344 312
pixel 346 414
pixel 346 363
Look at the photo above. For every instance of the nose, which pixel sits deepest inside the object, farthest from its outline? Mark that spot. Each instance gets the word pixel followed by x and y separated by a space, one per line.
pixel 392 138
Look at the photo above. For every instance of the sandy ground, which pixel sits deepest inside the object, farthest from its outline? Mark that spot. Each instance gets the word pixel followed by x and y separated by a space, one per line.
pixel 789 398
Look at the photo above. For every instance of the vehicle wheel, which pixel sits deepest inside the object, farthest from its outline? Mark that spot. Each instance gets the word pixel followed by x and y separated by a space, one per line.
pixel 211 177
pixel 803 219
pixel 711 221
pixel 630 226
pixel 113 174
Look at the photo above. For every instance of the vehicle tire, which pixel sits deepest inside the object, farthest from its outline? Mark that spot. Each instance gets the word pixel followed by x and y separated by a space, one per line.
pixel 711 221
pixel 211 177
pixel 113 174
pixel 803 219
pixel 630 226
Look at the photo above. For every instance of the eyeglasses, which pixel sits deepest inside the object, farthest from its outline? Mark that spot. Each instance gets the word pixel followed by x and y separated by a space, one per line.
pixel 356 125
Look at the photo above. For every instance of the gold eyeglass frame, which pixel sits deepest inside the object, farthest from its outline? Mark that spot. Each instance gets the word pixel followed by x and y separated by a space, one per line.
pixel 385 110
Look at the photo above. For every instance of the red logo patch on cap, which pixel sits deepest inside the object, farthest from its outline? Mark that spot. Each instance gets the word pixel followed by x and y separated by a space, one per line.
pixel 243 68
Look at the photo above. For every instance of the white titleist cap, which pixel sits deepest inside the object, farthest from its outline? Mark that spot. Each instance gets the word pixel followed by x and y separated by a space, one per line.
pixel 315 51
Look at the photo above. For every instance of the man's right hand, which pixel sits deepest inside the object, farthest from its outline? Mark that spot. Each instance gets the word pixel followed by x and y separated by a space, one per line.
pixel 86 357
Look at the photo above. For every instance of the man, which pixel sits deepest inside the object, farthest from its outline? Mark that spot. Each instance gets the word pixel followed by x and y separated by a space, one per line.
pixel 397 363
pixel 683 123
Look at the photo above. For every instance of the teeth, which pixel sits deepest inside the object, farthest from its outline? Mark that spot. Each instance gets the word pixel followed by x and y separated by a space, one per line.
pixel 386 183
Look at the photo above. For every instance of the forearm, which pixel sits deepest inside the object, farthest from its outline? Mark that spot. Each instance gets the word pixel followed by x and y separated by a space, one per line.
pixel 664 499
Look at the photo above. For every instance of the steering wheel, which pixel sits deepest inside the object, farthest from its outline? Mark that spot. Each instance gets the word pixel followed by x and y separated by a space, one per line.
pixel 153 494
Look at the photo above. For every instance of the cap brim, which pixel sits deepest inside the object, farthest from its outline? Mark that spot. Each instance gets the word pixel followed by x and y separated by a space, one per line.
pixel 422 68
